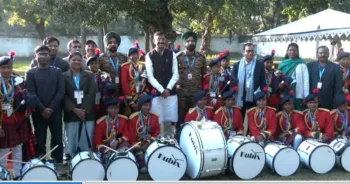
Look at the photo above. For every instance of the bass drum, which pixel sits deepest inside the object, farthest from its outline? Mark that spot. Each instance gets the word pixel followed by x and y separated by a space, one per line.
pixel 36 170
pixel 342 150
pixel 317 156
pixel 122 167
pixel 4 174
pixel 165 162
pixel 204 145
pixel 85 167
pixel 278 156
pixel 247 158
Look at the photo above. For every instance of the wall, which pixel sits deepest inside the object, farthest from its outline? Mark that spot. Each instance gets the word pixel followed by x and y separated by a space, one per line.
pixel 24 46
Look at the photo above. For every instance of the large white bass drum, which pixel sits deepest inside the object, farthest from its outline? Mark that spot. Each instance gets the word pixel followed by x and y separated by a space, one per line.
pixel 122 167
pixel 247 157
pixel 284 160
pixel 36 170
pixel 342 151
pixel 317 156
pixel 87 166
pixel 204 145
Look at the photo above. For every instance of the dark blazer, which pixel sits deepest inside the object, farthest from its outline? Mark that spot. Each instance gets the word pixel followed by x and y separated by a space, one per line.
pixel 88 85
pixel 331 82
pixel 259 75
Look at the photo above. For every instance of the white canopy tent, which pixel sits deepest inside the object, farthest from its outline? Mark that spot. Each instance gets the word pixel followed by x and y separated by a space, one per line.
pixel 328 25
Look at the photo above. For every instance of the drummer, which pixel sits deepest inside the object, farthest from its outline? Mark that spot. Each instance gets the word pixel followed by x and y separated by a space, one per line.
pixel 200 111
pixel 144 127
pixel 229 117
pixel 262 119
pixel 340 116
pixel 290 122
pixel 318 122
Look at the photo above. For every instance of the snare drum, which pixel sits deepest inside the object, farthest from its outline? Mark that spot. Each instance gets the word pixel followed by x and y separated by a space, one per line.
pixel 4 174
pixel 122 167
pixel 317 156
pixel 247 157
pixel 342 151
pixel 284 160
pixel 38 171
pixel 85 167
pixel 165 162
pixel 204 145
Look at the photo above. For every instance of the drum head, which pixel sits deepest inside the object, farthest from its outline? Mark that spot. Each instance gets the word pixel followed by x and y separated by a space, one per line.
pixel 40 173
pixel 167 163
pixel 345 159
pixel 122 169
pixel 286 162
pixel 4 174
pixel 88 169
pixel 322 159
pixel 248 161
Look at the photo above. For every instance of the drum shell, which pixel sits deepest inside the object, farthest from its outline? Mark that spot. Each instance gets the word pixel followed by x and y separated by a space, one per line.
pixel 36 163
pixel 342 151
pixel 115 157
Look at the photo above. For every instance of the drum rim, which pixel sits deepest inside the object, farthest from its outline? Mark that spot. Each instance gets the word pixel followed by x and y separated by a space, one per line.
pixel 106 168
pixel 234 154
pixel 39 166
pixel 273 160
pixel 72 169
pixel 161 147
pixel 312 152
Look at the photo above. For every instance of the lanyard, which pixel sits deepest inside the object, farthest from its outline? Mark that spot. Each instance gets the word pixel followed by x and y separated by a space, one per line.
pixel 145 130
pixel 77 81
pixel 269 75
pixel 136 72
pixel 54 62
pixel 113 125
pixel 312 117
pixel 249 68
pixel 261 114
pixel 8 98
pixel 115 65
pixel 227 71
pixel 230 113
pixel 201 114
pixel 321 71
pixel 96 81
pixel 215 88
pixel 344 120
pixel 287 119
pixel 188 61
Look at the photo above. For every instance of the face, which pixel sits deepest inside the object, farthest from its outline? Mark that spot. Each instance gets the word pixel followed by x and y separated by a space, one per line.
pixel 53 48
pixel 268 65
pixel 190 44
pixel 288 106
pixel 216 68
pixel 322 54
pixel 75 47
pixel 261 103
pixel 76 62
pixel 344 62
pixel 342 108
pixel 159 41
pixel 94 66
pixel 43 57
pixel 249 52
pixel 135 56
pixel 112 45
pixel 292 52
pixel 312 105
pixel 113 110
pixel 90 49
pixel 201 103
pixel 230 102
pixel 6 70
pixel 146 108
pixel 224 63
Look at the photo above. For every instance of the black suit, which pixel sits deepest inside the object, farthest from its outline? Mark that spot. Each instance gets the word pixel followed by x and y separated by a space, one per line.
pixel 331 82
pixel 259 81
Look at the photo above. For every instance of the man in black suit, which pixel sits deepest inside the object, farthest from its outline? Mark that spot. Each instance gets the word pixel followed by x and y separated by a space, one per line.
pixel 250 73
pixel 326 77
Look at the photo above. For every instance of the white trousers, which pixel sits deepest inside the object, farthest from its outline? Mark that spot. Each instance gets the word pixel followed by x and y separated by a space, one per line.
pixel 166 108
pixel 16 155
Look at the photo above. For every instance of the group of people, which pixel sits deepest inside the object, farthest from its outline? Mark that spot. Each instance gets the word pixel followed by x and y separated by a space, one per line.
pixel 121 100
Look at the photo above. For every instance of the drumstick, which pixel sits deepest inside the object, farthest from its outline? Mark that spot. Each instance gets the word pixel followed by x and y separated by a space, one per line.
pixel 7 154
pixel 42 158
pixel 228 83
pixel 133 146
pixel 108 148
pixel 17 161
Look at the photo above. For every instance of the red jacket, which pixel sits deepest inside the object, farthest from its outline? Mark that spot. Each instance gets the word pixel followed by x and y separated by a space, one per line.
pixel 296 124
pixel 222 117
pixel 337 122
pixel 324 121
pixel 193 115
pixel 135 127
pixel 256 125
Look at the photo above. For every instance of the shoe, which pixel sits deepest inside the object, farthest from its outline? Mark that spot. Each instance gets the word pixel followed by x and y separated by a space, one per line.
pixel 67 157
pixel 60 169
pixel 17 178
pixel 143 170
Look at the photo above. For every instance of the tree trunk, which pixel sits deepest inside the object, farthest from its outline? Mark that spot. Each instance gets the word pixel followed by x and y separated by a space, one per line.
pixel 100 43
pixel 105 30
pixel 82 39
pixel 206 37
pixel 40 28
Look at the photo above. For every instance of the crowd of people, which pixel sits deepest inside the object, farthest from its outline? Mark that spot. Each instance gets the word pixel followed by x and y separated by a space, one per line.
pixel 129 100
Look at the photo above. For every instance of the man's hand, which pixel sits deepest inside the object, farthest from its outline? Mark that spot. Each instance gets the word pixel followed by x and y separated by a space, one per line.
pixel 46 113
pixel 80 113
pixel 166 93
pixel 134 107
pixel 2 133
pixel 282 135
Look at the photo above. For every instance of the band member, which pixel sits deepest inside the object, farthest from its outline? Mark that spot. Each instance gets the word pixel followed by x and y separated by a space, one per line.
pixel 290 123
pixel 134 81
pixel 318 122
pixel 225 64
pixel 112 129
pixel 14 125
pixel 340 116
pixel 144 127
pixel 192 68
pixel 262 119
pixel 214 83
pixel 229 117
pixel 100 79
pixel 200 111
pixel 112 60
pixel 343 59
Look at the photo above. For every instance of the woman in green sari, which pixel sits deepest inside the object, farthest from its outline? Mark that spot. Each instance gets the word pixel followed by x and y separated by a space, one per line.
pixel 295 67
